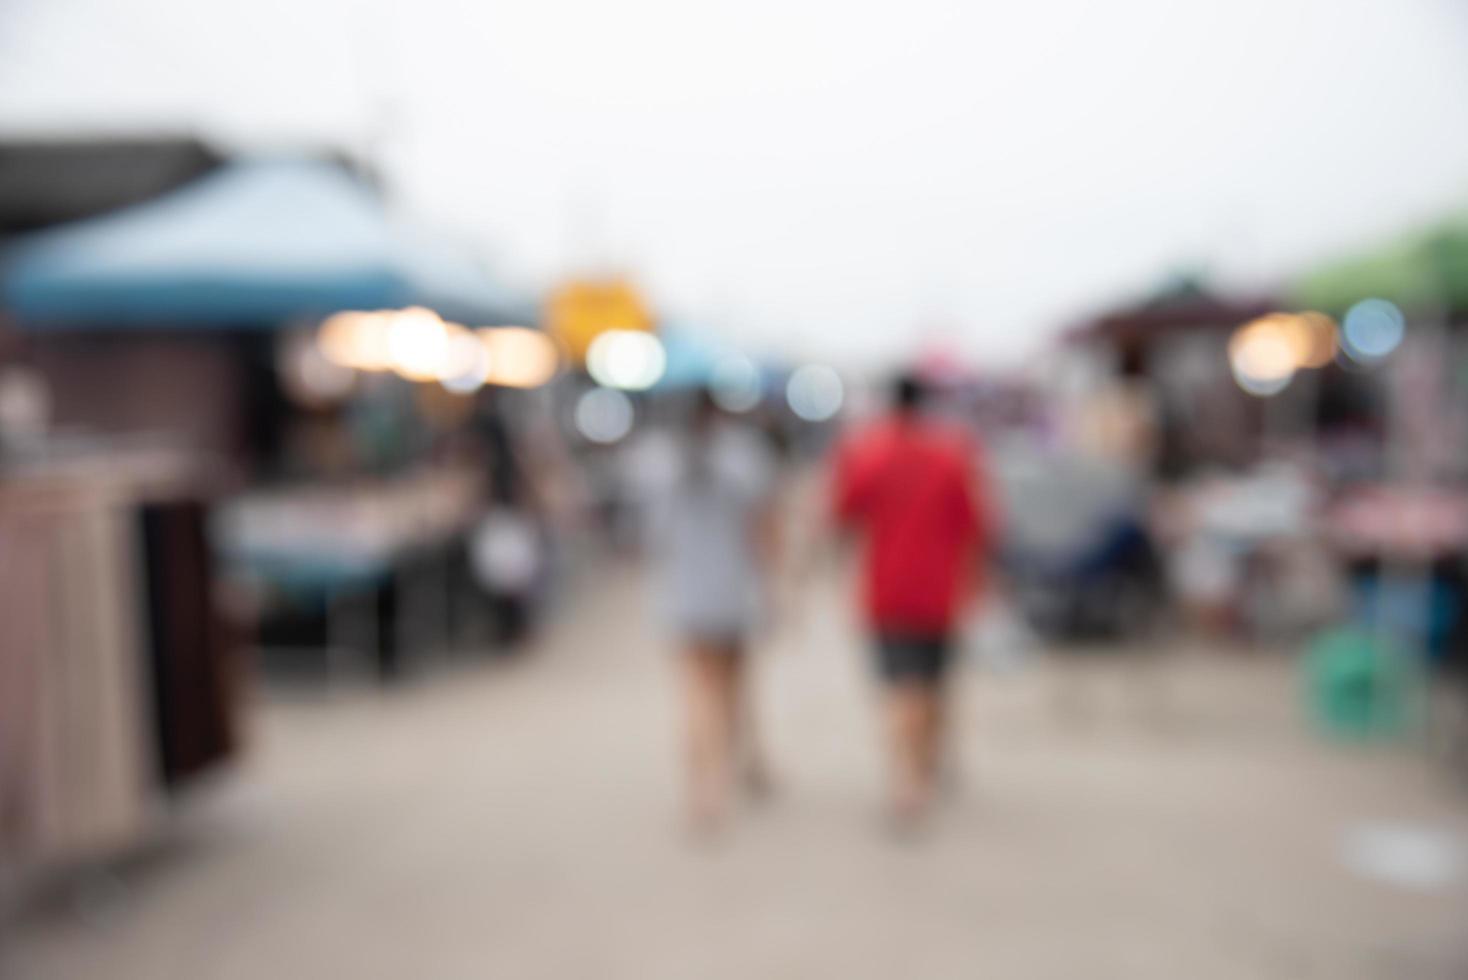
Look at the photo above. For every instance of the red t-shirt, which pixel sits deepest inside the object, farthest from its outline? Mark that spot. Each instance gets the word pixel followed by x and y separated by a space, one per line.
pixel 909 487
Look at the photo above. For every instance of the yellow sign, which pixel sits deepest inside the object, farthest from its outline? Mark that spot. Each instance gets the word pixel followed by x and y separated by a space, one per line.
pixel 582 309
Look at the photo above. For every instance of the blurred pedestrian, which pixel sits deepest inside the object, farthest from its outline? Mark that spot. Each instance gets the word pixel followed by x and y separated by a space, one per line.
pixel 909 488
pixel 507 548
pixel 713 495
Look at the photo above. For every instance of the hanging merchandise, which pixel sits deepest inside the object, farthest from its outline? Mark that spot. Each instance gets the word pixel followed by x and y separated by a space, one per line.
pixel 122 685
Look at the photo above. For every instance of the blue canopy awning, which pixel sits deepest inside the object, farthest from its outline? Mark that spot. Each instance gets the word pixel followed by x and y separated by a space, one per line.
pixel 254 244
pixel 694 358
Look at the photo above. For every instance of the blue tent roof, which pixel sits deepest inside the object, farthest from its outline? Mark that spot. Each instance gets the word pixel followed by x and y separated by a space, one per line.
pixel 256 243
pixel 694 356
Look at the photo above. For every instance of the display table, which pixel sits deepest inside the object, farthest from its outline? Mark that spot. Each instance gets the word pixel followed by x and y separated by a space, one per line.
pixel 391 541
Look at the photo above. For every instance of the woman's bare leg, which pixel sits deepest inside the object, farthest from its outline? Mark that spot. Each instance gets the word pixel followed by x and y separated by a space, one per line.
pixel 752 763
pixel 710 705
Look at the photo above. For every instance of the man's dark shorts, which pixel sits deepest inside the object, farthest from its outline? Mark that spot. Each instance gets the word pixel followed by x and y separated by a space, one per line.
pixel 909 659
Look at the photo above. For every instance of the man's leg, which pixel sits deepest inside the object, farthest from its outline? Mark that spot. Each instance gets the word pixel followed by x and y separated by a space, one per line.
pixel 933 732
pixel 914 670
pixel 937 744
pixel 909 720
pixel 943 751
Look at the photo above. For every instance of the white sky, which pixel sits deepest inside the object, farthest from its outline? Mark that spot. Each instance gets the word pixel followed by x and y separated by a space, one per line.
pixel 826 178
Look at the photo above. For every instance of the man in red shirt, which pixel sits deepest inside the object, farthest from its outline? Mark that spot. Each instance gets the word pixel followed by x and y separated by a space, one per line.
pixel 908 487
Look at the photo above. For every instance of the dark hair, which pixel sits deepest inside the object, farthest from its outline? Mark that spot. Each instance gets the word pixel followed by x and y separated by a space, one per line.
pixel 703 416
pixel 909 392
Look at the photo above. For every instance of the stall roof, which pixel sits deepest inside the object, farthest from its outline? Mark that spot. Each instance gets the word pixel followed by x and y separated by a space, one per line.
pixel 45 182
pixel 253 244
pixel 694 356
pixel 1182 303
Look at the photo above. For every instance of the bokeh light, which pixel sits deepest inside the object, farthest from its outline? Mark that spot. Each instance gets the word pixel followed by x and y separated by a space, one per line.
pixel 604 415
pixel 418 344
pixel 467 363
pixel 308 376
pixel 815 392
pixel 1372 329
pixel 1315 338
pixel 736 384
pixel 628 359
pixel 518 357
pixel 357 339
pixel 1263 355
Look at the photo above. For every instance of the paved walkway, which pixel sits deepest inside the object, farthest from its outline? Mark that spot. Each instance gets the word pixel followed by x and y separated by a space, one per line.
pixel 518 821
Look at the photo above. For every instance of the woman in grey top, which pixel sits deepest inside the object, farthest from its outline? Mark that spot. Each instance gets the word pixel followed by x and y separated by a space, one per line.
pixel 711 501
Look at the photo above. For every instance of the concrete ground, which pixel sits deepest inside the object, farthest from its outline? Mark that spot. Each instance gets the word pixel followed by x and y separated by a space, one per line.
pixel 1119 817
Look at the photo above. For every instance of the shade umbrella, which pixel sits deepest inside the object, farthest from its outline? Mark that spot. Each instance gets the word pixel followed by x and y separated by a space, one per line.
pixel 258 243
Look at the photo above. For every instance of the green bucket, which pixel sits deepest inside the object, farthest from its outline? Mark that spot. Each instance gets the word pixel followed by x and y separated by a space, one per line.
pixel 1360 686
